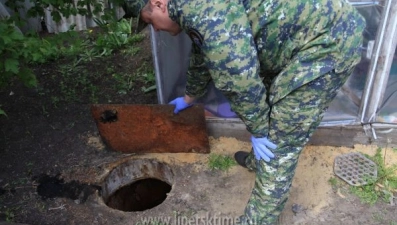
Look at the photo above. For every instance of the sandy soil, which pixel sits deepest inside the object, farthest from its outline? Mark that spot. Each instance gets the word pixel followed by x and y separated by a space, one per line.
pixel 224 194
pixel 203 196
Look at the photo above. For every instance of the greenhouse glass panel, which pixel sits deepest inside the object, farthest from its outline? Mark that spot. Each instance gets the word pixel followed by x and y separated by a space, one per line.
pixel 345 107
pixel 387 112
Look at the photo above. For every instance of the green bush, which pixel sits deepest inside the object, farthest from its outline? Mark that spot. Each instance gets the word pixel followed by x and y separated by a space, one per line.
pixel 16 51
pixel 116 35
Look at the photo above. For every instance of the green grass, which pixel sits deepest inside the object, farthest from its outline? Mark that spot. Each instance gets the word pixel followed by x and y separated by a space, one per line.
pixel 123 82
pixel 220 162
pixel 366 193
pixel 381 188
pixel 146 74
pixel 333 182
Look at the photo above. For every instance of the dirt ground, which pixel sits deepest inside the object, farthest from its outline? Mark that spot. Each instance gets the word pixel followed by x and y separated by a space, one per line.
pixel 61 146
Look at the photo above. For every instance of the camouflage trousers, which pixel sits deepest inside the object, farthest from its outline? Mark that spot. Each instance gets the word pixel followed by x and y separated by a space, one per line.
pixel 292 121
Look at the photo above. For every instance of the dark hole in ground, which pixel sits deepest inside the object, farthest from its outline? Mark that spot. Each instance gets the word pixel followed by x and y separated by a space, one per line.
pixel 55 187
pixel 140 195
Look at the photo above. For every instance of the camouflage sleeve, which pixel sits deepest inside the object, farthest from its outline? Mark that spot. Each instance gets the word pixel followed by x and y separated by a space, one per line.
pixel 198 75
pixel 231 58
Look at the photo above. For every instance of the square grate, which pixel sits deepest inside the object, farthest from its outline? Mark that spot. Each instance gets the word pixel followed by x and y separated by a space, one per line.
pixel 355 168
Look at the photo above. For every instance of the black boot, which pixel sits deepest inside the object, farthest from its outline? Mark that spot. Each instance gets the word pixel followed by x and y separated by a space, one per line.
pixel 240 157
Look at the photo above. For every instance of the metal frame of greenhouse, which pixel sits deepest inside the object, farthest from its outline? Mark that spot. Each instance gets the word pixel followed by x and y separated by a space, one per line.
pixel 365 110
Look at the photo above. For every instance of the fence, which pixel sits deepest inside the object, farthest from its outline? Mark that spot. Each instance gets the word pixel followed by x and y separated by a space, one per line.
pixel 80 22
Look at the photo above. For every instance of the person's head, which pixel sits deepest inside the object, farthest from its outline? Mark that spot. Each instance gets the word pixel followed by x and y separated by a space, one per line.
pixel 154 12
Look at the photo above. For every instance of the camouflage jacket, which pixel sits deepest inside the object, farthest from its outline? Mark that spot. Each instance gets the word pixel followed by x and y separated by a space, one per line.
pixel 258 51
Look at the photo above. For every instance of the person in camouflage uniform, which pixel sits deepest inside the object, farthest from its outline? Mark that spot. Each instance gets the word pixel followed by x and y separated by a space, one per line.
pixel 278 62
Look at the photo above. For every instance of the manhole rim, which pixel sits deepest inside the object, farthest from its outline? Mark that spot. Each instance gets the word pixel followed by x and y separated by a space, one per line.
pixel 163 167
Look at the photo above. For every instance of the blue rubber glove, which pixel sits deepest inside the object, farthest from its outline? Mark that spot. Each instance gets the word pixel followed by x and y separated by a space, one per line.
pixel 262 148
pixel 180 104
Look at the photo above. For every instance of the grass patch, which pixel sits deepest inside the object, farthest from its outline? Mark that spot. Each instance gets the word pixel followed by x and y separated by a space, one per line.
pixel 147 76
pixel 333 182
pixel 124 82
pixel 220 162
pixel 383 187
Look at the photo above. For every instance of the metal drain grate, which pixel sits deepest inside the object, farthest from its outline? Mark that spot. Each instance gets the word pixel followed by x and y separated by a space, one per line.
pixel 355 168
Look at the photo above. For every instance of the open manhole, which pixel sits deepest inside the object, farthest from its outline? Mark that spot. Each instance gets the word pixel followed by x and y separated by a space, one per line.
pixel 137 185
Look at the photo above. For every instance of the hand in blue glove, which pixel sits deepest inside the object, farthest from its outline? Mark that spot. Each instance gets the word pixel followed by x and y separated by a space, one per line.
pixel 262 148
pixel 180 104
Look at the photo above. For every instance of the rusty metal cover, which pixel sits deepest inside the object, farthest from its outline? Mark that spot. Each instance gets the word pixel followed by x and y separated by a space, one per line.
pixel 151 128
